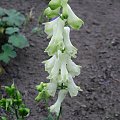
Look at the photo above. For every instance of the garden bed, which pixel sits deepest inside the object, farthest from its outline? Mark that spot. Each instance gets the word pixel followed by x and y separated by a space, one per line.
pixel 98 53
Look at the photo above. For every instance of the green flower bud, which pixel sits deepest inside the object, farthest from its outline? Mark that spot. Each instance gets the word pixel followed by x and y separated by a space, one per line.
pixel 40 87
pixel 51 13
pixel 54 4
pixel 73 20
pixel 64 9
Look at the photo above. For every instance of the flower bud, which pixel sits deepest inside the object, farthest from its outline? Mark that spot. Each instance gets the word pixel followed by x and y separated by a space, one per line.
pixel 73 20
pixel 52 13
pixel 54 4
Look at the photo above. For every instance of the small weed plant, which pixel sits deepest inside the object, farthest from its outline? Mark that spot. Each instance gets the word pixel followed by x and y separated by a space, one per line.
pixel 12 105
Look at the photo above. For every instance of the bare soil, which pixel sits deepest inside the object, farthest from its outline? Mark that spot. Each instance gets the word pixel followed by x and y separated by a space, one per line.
pixel 98 44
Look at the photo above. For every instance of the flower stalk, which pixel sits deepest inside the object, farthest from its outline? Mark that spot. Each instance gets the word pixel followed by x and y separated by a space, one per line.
pixel 60 66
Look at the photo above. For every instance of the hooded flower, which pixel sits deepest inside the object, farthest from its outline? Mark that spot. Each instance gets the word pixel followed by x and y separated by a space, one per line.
pixel 54 4
pixel 52 13
pixel 49 64
pixel 72 68
pixel 56 68
pixel 64 71
pixel 70 49
pixel 51 88
pixel 72 88
pixel 73 20
pixel 56 107
pixel 56 42
pixel 49 27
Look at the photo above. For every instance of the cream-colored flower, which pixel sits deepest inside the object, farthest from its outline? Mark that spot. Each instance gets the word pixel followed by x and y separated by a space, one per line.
pixel 49 64
pixel 49 27
pixel 51 88
pixel 72 87
pixel 56 42
pixel 56 68
pixel 56 107
pixel 70 49
pixel 72 68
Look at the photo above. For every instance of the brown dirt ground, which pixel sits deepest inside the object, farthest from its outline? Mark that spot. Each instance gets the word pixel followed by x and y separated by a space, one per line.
pixel 98 44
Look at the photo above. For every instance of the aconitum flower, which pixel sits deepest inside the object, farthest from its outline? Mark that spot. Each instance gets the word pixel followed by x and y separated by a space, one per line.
pixel 51 88
pixel 72 68
pixel 73 20
pixel 52 13
pixel 70 49
pixel 63 69
pixel 54 4
pixel 49 27
pixel 56 107
pixel 56 68
pixel 49 64
pixel 72 87
pixel 56 42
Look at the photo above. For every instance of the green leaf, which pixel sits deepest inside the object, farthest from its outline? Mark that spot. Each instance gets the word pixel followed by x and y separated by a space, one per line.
pixel 9 103
pixel 3 103
pixel 8 53
pixel 14 18
pixel 11 30
pixel 18 40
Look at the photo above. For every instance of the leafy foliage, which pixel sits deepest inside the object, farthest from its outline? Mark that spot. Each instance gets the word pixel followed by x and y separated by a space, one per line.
pixel 18 40
pixel 8 53
pixel 13 106
pixel 10 22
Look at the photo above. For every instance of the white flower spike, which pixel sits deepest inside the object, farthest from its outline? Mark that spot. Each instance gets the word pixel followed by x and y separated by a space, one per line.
pixel 60 66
